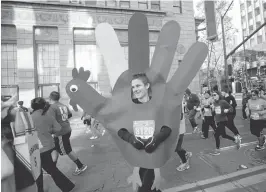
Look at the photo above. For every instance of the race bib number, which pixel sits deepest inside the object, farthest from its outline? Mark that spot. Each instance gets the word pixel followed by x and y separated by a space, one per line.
pixel 218 110
pixel 144 129
pixel 64 113
pixel 255 116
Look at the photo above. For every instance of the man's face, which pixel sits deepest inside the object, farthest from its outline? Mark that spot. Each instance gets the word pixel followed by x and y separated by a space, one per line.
pixel 139 89
pixel 215 96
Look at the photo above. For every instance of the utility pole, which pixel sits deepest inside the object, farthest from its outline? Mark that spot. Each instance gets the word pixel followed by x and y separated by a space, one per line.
pixel 246 74
pixel 224 45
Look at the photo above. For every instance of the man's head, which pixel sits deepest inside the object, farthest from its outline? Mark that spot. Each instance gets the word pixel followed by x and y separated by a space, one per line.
pixel 54 96
pixel 187 92
pixel 216 96
pixel 141 88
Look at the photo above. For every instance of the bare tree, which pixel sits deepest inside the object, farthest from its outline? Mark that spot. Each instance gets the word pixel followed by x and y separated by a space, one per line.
pixel 216 55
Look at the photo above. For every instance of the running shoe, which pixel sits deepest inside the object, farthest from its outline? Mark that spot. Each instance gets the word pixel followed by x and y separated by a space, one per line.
pixel 202 136
pixel 238 143
pixel 259 148
pixel 183 167
pixel 81 170
pixel 195 130
pixel 215 152
pixel 188 155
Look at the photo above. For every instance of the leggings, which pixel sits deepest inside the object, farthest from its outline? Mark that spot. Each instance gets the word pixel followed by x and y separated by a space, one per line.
pixel 179 150
pixel 206 123
pixel 220 131
pixel 147 178
pixel 231 124
pixel 50 167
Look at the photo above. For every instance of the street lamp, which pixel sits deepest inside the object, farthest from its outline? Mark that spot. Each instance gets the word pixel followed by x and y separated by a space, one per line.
pixel 224 46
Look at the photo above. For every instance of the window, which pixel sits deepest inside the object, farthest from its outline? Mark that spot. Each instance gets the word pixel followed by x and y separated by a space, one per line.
pixel 259 39
pixel 9 69
pixel 257 11
pixel 242 6
pixel 124 4
pixel 258 24
pixel 143 4
pixel 244 33
pixel 248 3
pixel 250 15
pixel 110 3
pixel 177 6
pixel 48 63
pixel 251 28
pixel 47 57
pixel 152 49
pixel 9 64
pixel 155 5
pixel 252 42
pixel 88 52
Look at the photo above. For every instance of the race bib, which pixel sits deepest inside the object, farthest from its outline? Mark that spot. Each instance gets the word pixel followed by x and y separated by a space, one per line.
pixel 255 116
pixel 144 129
pixel 206 110
pixel 218 110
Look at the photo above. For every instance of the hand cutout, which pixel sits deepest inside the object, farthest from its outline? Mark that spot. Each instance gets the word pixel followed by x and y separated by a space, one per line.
pixel 164 107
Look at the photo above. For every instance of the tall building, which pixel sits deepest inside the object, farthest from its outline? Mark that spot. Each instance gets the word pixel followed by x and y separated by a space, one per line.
pixel 42 41
pixel 253 15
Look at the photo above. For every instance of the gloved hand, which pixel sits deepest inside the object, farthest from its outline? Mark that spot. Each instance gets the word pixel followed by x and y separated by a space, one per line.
pixel 155 141
pixel 136 142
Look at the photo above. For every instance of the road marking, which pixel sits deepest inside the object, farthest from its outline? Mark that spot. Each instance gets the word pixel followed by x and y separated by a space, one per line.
pixel 242 145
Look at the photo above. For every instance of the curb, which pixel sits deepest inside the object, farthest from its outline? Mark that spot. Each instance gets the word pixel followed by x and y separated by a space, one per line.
pixel 208 183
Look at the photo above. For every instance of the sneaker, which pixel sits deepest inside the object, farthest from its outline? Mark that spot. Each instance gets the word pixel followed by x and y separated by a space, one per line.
pixel 239 137
pixel 183 167
pixel 188 155
pixel 259 148
pixel 215 152
pixel 238 143
pixel 195 129
pixel 79 171
pixel 202 136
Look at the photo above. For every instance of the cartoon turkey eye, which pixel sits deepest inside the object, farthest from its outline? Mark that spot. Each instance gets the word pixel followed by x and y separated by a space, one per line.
pixel 73 88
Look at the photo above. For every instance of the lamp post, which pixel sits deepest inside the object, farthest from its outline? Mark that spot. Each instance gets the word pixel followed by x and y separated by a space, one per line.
pixel 224 46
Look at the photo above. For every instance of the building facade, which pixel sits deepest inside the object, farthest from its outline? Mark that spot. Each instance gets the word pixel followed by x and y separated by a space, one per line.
pixel 42 41
pixel 253 15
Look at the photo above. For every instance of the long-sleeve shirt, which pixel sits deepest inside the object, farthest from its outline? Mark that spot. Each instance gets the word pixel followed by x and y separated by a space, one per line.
pixel 218 109
pixel 192 101
pixel 46 125
pixel 61 113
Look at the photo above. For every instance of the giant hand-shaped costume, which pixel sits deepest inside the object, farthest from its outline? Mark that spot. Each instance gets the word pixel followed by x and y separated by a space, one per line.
pixel 163 110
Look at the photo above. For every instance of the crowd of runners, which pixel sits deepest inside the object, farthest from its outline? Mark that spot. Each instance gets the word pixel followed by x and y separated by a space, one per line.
pixel 217 110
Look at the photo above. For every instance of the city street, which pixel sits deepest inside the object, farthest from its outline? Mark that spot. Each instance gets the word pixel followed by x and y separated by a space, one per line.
pixel 108 171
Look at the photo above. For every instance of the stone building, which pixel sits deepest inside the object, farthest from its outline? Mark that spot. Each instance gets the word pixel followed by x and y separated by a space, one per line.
pixel 42 41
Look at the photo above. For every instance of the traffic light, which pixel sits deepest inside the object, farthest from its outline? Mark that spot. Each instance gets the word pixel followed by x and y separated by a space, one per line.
pixel 210 20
